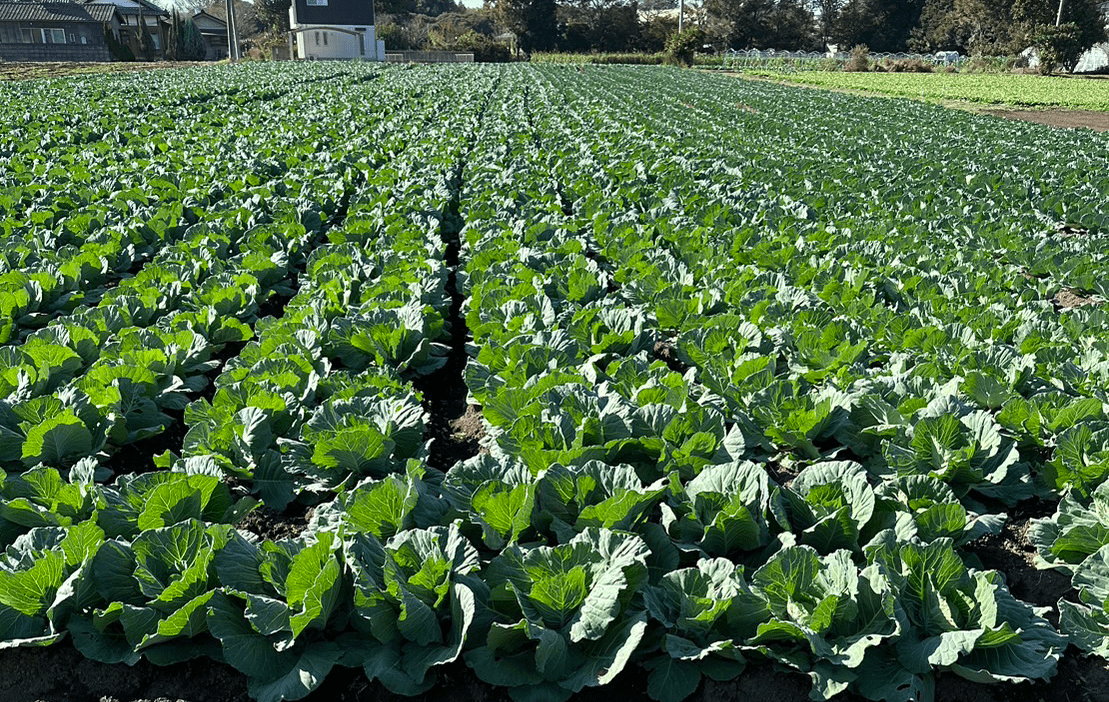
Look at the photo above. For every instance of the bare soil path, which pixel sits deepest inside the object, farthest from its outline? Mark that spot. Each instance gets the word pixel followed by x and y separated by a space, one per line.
pixel 1072 119
pixel 18 70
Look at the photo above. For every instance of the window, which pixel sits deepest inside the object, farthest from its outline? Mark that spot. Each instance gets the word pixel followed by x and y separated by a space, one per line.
pixel 157 41
pixel 28 36
pixel 72 39
pixel 316 3
pixel 325 38
pixel 317 38
pixel 52 36
pixel 84 40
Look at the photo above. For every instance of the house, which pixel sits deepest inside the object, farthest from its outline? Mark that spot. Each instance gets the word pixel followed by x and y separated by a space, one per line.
pixel 214 31
pixel 153 17
pixel 57 31
pixel 335 29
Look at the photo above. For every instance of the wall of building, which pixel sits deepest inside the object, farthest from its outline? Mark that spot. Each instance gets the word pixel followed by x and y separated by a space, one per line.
pixel 54 52
pixel 334 12
pixel 81 33
pixel 319 44
pixel 215 46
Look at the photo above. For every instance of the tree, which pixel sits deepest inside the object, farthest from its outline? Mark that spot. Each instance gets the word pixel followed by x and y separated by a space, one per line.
pixel 173 39
pixel 794 26
pixel 434 8
pixel 274 14
pixel 827 14
pixel 118 50
pixel 533 21
pixel 1004 27
pixel 600 25
pixel 146 43
pixel 882 25
pixel 1061 32
pixel 765 24
pixel 682 46
pixel 656 31
pixel 979 27
pixel 193 47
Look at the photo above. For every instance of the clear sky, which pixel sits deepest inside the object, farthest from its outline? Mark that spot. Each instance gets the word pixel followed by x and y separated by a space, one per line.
pixel 472 3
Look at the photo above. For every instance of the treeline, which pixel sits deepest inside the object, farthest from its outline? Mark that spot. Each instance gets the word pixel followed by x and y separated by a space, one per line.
pixel 986 27
pixel 971 27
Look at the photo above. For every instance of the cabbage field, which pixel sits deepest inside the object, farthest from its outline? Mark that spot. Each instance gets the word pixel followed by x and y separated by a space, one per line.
pixel 553 378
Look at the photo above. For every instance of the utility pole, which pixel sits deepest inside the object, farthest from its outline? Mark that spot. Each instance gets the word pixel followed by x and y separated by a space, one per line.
pixel 1059 17
pixel 681 15
pixel 232 33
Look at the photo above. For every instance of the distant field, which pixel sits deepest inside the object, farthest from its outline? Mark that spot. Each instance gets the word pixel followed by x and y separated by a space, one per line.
pixel 62 69
pixel 1006 89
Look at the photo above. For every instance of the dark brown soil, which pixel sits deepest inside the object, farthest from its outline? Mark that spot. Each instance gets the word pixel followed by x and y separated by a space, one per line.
pixel 1069 298
pixel 783 475
pixel 760 683
pixel 665 352
pixel 452 425
pixel 60 69
pixel 1067 231
pixel 1073 119
pixel 468 431
pixel 60 674
pixel 138 457
pixel 269 524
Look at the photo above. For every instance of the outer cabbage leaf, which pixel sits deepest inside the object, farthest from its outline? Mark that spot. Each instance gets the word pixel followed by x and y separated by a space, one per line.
pixel 571 499
pixel 1077 530
pixel 495 495
pixel 43 580
pixel 277 604
pixel 416 597
pixel 156 588
pixel 955 618
pixel 721 512
pixel 707 612
pixel 826 615
pixel 565 615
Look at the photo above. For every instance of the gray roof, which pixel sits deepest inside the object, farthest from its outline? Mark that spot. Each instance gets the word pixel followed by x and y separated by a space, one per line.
pixel 99 13
pixel 221 25
pixel 102 11
pixel 148 8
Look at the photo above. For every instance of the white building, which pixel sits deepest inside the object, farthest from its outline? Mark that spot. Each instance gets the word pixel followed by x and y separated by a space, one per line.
pixel 335 29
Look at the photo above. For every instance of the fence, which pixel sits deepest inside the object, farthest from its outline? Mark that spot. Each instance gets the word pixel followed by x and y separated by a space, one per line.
pixel 427 57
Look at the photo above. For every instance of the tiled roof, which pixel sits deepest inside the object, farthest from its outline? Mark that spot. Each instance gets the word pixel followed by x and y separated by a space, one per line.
pixel 202 15
pixel 101 11
pixel 148 8
pixel 55 12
